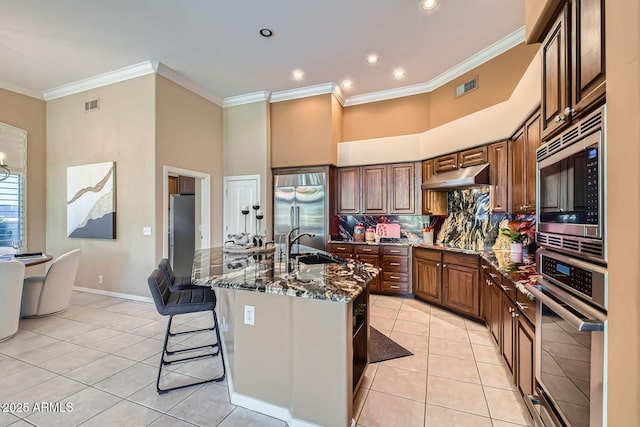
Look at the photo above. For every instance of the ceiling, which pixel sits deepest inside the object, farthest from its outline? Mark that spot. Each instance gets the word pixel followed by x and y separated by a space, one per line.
pixel 216 44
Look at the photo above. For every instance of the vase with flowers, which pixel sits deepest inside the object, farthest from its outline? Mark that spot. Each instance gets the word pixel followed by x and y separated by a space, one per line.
pixel 515 236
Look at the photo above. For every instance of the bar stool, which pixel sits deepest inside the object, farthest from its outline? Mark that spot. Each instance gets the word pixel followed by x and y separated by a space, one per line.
pixel 176 283
pixel 171 303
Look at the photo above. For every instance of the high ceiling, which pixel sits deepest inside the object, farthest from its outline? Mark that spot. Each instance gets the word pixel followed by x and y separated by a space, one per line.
pixel 216 43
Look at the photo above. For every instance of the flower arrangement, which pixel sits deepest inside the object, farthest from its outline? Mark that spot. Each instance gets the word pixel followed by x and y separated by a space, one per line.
pixel 516 231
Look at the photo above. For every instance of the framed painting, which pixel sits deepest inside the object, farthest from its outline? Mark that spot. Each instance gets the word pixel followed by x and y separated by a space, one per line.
pixel 91 201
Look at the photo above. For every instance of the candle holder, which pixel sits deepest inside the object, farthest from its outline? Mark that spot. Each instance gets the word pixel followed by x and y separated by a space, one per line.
pixel 245 212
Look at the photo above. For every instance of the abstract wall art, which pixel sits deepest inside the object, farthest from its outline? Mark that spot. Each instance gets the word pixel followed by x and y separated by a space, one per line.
pixel 91 201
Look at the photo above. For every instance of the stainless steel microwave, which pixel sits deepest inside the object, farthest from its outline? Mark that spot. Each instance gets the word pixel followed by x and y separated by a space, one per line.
pixel 571 190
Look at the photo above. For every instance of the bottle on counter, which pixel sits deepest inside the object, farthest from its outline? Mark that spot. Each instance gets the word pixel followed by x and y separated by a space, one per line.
pixel 370 234
pixel 358 233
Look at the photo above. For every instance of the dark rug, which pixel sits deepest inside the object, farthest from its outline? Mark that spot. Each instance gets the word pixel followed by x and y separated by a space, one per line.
pixel 381 347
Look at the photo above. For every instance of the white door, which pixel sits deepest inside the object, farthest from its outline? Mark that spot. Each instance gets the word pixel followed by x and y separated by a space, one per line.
pixel 239 191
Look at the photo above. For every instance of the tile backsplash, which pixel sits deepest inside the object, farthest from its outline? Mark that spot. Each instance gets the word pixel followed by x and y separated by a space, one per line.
pixel 469 225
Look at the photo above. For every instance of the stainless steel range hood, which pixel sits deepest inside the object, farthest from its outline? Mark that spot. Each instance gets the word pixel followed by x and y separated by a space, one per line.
pixel 472 176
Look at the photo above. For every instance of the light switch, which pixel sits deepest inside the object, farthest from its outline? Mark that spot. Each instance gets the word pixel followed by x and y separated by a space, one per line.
pixel 249 315
pixel 146 231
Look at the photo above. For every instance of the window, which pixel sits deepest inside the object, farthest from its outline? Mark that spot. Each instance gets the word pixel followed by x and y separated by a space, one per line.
pixel 12 190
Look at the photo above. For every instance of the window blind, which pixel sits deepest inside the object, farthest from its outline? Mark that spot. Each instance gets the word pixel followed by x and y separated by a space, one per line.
pixel 12 210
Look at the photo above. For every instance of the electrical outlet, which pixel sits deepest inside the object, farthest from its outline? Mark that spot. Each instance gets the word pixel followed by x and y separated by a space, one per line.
pixel 99 280
pixel 146 231
pixel 249 315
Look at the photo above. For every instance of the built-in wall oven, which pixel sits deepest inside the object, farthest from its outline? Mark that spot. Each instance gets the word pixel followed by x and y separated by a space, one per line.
pixel 570 342
pixel 571 192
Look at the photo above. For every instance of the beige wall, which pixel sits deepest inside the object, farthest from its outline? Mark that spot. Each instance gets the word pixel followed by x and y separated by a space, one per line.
pixel 29 113
pixel 122 130
pixel 247 148
pixel 418 113
pixel 302 132
pixel 188 136
pixel 623 185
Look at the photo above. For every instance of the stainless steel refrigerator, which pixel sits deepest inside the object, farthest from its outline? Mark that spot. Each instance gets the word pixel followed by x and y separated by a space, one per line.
pixel 300 200
pixel 182 233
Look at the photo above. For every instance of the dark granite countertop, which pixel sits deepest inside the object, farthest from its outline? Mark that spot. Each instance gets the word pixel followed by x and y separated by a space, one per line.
pixel 266 272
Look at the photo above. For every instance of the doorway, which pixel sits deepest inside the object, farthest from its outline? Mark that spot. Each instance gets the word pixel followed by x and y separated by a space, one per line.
pixel 202 192
pixel 239 191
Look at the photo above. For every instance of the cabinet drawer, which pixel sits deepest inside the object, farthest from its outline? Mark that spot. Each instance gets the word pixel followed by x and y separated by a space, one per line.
pixel 398 264
pixel 396 250
pixel 390 276
pixel 366 249
pixel 460 259
pixel 527 307
pixel 400 287
pixel 445 163
pixel 472 157
pixel 427 254
pixel 508 288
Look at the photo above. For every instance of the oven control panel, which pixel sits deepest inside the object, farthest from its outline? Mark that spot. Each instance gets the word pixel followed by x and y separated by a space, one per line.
pixel 581 278
pixel 592 187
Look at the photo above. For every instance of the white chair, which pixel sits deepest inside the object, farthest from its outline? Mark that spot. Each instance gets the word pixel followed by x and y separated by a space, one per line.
pixel 11 277
pixel 51 293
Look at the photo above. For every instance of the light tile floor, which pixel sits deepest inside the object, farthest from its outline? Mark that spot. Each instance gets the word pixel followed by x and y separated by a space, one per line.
pixel 100 357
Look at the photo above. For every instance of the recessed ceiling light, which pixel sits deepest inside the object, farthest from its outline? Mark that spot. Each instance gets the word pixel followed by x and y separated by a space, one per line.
pixel 429 4
pixel 373 58
pixel 347 84
pixel 297 74
pixel 398 73
pixel 265 32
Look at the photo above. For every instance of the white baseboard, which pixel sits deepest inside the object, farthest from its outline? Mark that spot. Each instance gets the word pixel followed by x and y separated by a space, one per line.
pixel 113 294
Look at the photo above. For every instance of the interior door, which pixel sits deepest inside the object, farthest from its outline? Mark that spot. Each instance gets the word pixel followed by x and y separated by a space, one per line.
pixel 239 191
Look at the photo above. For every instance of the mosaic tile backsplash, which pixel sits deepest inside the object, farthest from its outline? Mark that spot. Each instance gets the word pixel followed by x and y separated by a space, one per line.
pixel 469 225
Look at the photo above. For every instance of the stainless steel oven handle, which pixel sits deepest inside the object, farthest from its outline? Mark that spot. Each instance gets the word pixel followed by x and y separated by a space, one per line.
pixel 579 324
pixel 531 401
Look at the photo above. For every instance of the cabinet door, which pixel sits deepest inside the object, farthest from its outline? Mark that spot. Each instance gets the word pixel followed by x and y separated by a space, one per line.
pixel 588 54
pixel 496 313
pixel 525 356
pixel 433 202
pixel 374 286
pixel 472 157
pixel 506 337
pixel 445 163
pixel 554 76
pixel 460 288
pixel 485 295
pixel 427 279
pixel 402 188
pixel 374 189
pixel 518 172
pixel 533 140
pixel 349 190
pixel 499 179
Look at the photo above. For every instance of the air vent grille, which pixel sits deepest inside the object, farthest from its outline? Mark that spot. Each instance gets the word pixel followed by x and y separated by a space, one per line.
pixel 467 86
pixel 588 248
pixel 92 105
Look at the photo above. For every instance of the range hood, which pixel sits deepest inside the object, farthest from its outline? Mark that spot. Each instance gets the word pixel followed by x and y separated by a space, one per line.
pixel 471 176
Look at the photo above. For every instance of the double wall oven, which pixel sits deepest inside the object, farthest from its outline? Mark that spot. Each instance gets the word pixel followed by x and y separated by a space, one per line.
pixel 572 291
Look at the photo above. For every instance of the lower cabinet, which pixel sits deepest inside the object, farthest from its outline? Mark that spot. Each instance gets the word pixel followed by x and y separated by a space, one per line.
pixel 525 339
pixel 427 280
pixel 508 330
pixel 370 255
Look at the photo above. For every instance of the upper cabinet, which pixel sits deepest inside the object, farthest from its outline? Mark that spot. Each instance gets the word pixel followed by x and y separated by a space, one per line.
pixel 498 177
pixel 573 64
pixel 472 157
pixel 524 144
pixel 378 189
pixel 433 202
pixel 445 163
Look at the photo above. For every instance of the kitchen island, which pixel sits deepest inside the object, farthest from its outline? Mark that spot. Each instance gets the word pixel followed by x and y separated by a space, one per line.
pixel 296 336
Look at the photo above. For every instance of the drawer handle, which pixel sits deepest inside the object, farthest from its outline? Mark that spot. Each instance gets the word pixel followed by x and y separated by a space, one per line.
pixel 394 287
pixel 484 267
pixel 394 277
pixel 366 250
pixel 505 288
pixel 489 282
pixel 394 263
pixel 493 276
pixel 522 306
pixel 341 248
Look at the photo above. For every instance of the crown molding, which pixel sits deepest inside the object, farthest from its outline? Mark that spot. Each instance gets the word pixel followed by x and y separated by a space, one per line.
pixel 22 91
pixel 183 81
pixel 249 98
pixel 303 92
pixel 508 42
pixel 104 79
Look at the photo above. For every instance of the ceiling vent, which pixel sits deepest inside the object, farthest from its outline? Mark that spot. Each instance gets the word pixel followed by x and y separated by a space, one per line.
pixel 467 87
pixel 92 105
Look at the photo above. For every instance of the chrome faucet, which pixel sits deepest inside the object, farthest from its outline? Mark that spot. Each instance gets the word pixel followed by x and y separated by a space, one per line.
pixel 291 240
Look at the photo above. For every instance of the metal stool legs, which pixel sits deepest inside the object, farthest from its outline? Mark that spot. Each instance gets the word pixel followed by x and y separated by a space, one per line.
pixel 165 352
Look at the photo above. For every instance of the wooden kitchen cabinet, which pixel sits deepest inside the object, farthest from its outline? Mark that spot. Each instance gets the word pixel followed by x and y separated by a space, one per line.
pixel 395 269
pixel 427 277
pixel 525 355
pixel 573 64
pixel 342 250
pixel 370 254
pixel 498 154
pixel 402 188
pixel 348 190
pixel 460 288
pixel 523 148
pixel 445 163
pixel 374 189
pixel 433 202
pixel 472 157
pixel 507 330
